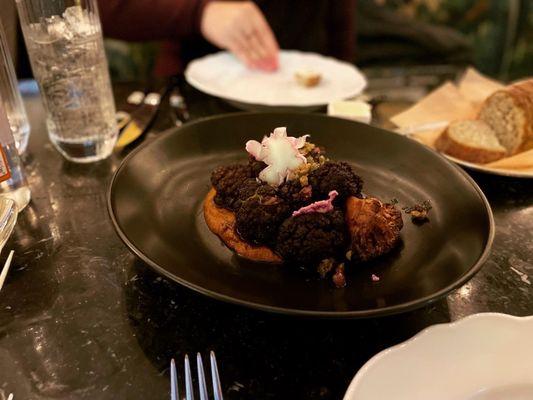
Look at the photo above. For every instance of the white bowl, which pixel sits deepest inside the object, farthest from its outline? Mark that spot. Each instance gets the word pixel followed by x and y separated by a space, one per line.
pixel 481 357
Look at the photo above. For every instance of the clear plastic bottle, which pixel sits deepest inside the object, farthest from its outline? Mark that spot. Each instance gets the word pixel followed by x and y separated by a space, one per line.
pixel 10 95
pixel 13 184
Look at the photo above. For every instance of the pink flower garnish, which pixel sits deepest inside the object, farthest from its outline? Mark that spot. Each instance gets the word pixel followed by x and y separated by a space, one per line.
pixel 375 278
pixel 280 153
pixel 322 206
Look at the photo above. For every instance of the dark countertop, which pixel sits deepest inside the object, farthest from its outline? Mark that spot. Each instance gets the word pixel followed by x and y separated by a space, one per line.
pixel 82 318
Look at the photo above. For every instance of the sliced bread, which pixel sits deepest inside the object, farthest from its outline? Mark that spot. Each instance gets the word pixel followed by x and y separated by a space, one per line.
pixel 509 112
pixel 471 140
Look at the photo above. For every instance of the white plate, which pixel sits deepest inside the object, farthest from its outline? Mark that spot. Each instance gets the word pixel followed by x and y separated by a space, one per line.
pixel 494 171
pixel 482 357
pixel 222 75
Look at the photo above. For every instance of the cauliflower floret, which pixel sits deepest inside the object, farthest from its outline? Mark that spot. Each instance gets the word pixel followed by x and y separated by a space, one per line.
pixel 338 176
pixel 307 239
pixel 260 216
pixel 227 181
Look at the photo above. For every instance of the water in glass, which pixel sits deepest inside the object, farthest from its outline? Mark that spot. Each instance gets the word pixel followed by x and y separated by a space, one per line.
pixel 68 60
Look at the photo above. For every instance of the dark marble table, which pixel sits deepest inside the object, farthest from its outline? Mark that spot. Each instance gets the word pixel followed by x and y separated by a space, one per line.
pixel 82 318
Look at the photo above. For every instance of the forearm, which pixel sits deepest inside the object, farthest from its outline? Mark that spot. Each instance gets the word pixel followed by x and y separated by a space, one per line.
pixel 151 19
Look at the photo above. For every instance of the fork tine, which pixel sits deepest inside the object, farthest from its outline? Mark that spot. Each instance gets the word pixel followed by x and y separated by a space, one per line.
pixel 201 377
pixel 173 381
pixel 217 387
pixel 188 380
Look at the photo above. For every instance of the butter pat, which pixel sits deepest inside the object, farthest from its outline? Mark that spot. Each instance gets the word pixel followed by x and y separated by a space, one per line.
pixel 356 110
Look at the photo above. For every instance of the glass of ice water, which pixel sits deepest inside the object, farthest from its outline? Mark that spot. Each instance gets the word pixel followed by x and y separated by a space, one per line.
pixel 65 46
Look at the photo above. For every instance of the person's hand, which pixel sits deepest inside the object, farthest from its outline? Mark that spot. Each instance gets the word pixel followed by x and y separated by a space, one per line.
pixel 241 28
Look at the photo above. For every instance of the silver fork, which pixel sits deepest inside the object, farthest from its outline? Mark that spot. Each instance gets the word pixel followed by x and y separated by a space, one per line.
pixel 202 387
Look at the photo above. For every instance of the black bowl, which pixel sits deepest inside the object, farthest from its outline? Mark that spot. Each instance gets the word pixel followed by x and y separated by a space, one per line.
pixel 155 202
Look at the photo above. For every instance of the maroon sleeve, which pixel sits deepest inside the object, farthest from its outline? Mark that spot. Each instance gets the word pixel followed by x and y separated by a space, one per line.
pixel 341 29
pixel 151 19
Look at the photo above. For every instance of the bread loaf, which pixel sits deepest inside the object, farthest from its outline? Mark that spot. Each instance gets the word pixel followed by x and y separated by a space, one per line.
pixel 509 112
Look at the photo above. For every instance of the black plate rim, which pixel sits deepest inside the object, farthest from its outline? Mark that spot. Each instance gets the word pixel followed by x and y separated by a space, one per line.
pixel 390 310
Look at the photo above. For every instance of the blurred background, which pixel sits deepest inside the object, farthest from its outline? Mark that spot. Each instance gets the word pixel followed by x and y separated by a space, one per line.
pixel 496 36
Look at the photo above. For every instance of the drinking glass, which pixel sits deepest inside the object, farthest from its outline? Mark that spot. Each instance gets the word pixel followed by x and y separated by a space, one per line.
pixel 9 93
pixel 66 51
